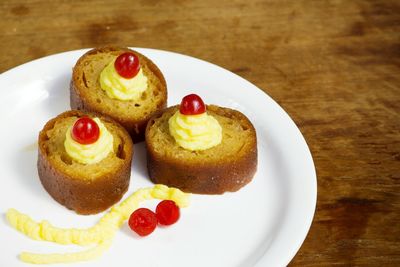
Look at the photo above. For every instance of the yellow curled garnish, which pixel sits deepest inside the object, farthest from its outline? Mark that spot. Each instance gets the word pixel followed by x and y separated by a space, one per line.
pixel 195 132
pixel 90 153
pixel 120 88
pixel 100 234
pixel 86 255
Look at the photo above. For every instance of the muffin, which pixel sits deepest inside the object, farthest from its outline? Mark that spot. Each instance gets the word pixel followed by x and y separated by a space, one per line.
pixel 225 166
pixel 131 110
pixel 83 185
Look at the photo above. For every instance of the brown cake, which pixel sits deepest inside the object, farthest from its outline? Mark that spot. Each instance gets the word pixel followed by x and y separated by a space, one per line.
pixel 86 93
pixel 225 167
pixel 84 188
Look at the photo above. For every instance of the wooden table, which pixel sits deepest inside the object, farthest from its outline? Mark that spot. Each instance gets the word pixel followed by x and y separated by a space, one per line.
pixel 334 66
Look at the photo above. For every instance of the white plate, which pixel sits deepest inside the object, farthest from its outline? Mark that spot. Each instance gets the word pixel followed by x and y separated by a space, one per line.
pixel 263 224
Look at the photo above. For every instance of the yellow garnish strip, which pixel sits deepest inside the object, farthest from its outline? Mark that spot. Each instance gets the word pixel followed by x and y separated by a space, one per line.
pixel 85 255
pixel 44 231
pixel 118 87
pixel 102 233
pixel 91 153
pixel 195 132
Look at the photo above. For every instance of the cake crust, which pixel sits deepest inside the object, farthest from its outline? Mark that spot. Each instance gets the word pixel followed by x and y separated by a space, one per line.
pixel 81 98
pixel 202 173
pixel 84 196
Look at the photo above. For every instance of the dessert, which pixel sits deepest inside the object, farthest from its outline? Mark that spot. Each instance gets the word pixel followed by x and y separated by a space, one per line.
pixel 84 161
pixel 100 234
pixel 200 148
pixel 120 83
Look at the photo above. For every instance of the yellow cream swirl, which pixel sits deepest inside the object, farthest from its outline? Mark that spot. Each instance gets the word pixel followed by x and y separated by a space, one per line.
pixel 195 132
pixel 91 153
pixel 118 87
pixel 100 234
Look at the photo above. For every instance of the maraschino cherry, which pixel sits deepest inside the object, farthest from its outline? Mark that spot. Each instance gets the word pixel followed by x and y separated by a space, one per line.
pixel 192 105
pixel 85 131
pixel 167 212
pixel 143 221
pixel 127 65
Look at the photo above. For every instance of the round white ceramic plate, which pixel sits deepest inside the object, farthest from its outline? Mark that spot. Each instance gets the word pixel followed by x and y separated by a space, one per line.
pixel 263 224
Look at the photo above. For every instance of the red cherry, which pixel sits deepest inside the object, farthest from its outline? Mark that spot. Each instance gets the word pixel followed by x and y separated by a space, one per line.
pixel 127 65
pixel 192 105
pixel 143 221
pixel 85 131
pixel 167 212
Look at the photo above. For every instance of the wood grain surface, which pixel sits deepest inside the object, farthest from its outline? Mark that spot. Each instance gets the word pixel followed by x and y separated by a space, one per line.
pixel 334 66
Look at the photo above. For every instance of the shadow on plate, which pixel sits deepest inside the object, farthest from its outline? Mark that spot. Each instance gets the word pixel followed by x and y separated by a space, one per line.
pixel 139 161
pixel 279 173
pixel 58 100
pixel 25 167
